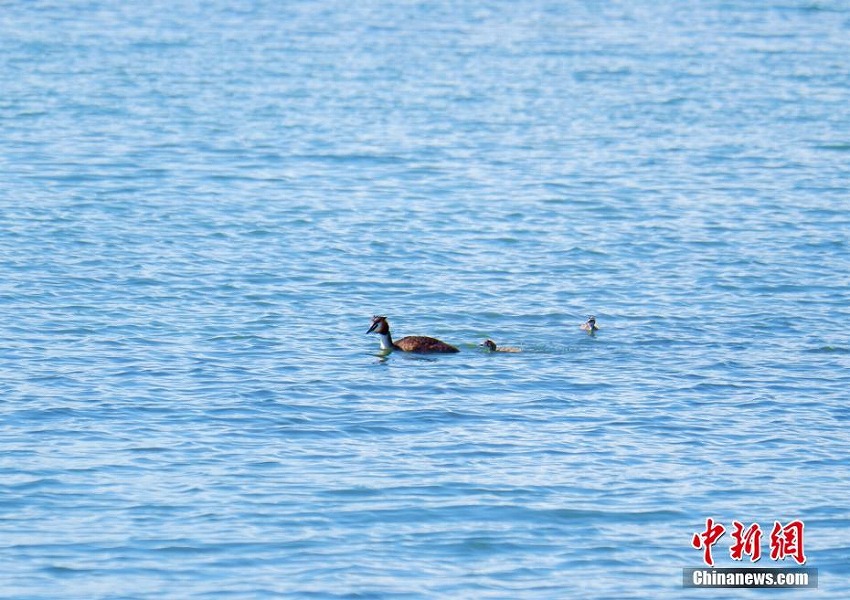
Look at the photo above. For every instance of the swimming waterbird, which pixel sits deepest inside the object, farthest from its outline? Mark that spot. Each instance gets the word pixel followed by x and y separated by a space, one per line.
pixel 590 325
pixel 413 343
pixel 491 346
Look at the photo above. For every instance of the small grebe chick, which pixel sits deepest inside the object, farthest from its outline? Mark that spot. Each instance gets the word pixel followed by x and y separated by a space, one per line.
pixel 491 346
pixel 412 343
pixel 590 325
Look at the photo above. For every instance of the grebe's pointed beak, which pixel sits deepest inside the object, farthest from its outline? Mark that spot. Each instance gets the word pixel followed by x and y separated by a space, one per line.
pixel 373 327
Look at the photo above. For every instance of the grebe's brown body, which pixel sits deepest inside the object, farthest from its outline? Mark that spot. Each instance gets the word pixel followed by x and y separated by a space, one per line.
pixel 413 343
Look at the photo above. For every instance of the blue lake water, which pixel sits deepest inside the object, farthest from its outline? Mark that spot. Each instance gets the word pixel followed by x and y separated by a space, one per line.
pixel 204 203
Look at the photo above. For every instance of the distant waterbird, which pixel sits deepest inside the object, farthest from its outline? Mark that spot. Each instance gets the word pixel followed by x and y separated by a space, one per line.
pixel 491 346
pixel 415 343
pixel 590 325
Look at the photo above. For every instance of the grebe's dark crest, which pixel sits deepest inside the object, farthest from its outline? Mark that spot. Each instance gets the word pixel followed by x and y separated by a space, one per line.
pixel 413 343
pixel 590 325
pixel 491 346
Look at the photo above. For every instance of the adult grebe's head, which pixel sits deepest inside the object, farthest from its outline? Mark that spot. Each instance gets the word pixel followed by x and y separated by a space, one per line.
pixel 379 326
pixel 489 344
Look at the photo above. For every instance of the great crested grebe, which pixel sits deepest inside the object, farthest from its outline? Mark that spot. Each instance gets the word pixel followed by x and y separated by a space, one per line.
pixel 411 343
pixel 590 325
pixel 491 346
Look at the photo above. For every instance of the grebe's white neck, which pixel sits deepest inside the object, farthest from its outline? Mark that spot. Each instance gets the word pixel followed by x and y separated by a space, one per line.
pixel 386 341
